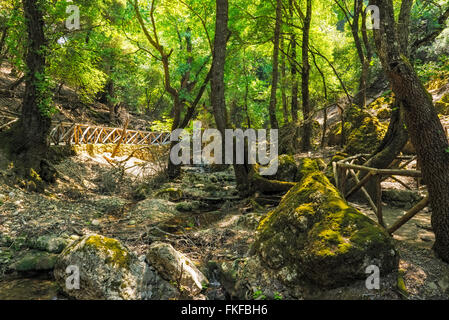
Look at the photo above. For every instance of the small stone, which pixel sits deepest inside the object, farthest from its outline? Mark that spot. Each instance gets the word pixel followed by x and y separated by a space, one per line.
pixel 95 222
pixel 11 195
pixel 132 223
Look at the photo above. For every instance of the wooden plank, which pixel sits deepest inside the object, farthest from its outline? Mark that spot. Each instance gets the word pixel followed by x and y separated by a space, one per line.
pixel 335 170
pixel 409 215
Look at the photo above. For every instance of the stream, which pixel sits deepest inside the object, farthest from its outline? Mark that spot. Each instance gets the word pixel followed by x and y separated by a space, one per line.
pixel 28 289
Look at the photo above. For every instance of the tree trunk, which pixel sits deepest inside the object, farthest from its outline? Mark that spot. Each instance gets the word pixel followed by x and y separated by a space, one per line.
pixel 425 129
pixel 275 74
pixel 307 128
pixel 294 71
pixel 284 84
pixel 397 134
pixel 27 140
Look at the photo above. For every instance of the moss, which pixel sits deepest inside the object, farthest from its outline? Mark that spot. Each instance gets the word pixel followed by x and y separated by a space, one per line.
pixel 172 194
pixel 366 137
pixel 116 253
pixel 402 288
pixel 36 261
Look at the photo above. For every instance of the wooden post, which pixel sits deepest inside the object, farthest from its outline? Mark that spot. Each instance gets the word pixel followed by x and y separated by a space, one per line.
pixel 379 200
pixel 334 167
pixel 76 135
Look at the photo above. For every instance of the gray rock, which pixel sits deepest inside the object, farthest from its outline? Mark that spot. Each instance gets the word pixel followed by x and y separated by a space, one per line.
pixel 173 265
pixel 109 271
pixel 401 198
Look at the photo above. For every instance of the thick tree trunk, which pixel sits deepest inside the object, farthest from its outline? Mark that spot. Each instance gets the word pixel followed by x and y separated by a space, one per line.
pixel 397 134
pixel 425 129
pixel 307 128
pixel 27 140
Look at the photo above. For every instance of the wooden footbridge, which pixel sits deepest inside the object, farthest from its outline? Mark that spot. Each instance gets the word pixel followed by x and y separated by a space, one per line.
pixel 64 133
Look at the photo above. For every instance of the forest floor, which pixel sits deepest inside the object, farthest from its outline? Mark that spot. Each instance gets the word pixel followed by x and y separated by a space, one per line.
pixel 94 197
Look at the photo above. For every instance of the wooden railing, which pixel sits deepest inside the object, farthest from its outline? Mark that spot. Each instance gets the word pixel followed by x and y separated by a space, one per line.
pixel 75 133
pixel 346 169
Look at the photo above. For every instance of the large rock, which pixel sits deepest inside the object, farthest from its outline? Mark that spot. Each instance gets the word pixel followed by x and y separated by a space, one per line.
pixel 109 271
pixel 366 137
pixel 401 198
pixel 176 267
pixel 316 237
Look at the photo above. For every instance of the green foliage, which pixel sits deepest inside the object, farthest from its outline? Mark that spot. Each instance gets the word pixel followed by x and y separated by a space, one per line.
pixel 165 125
pixel 258 295
pixel 43 85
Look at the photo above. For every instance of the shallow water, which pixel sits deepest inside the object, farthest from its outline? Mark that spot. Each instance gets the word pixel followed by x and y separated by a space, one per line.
pixel 28 289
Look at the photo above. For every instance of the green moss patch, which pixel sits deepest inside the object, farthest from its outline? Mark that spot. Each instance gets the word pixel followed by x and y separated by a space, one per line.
pixel 115 253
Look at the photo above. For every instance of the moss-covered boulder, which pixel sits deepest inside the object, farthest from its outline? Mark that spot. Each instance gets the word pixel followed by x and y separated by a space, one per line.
pixel 290 169
pixel 366 137
pixel 109 271
pixel 287 169
pixel 50 243
pixel 315 236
